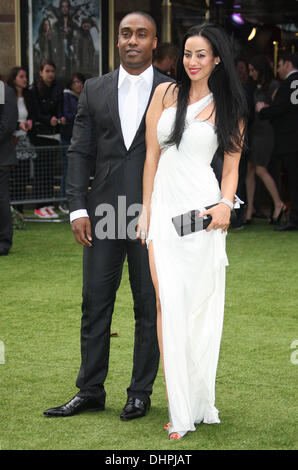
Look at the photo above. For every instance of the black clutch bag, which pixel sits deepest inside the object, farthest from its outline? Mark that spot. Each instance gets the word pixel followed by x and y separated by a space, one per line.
pixel 188 223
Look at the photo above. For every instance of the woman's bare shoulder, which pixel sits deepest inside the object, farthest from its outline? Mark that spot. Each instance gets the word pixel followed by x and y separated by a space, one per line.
pixel 167 93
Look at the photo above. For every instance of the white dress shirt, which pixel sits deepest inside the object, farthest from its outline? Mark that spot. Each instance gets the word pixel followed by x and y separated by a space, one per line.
pixel 144 89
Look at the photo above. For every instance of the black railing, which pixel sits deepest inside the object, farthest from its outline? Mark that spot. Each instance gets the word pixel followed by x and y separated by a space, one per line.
pixel 40 177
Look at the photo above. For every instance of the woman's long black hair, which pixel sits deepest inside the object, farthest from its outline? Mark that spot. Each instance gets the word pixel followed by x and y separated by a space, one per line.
pixel 224 83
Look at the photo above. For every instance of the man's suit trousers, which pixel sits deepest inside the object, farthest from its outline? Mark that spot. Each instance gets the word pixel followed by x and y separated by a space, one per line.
pixel 102 271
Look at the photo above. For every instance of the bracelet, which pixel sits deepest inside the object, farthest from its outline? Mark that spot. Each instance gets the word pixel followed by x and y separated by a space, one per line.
pixel 227 202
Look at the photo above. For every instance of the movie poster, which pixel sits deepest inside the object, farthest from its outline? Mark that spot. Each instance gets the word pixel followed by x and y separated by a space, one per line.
pixel 67 32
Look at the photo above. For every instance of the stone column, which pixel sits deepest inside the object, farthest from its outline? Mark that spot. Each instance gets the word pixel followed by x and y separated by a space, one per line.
pixel 10 55
pixel 166 32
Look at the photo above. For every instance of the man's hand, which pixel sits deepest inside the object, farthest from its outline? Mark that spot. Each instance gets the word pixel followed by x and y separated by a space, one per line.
pixel 81 229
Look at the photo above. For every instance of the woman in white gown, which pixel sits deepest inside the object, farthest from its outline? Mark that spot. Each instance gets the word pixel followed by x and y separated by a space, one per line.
pixel 186 123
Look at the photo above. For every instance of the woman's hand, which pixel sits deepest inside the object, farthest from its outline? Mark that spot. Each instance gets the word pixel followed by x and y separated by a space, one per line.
pixel 54 121
pixel 143 225
pixel 24 126
pixel 260 105
pixel 221 215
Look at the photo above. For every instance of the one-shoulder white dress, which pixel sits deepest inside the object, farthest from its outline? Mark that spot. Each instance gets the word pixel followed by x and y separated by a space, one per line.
pixel 190 269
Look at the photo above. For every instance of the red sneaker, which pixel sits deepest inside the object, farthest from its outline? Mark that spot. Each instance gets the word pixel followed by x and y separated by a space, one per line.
pixel 51 213
pixel 41 213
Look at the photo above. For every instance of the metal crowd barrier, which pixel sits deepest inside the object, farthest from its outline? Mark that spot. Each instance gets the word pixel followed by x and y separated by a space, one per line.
pixel 39 176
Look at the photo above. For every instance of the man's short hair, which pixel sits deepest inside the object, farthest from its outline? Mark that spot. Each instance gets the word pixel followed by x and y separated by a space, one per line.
pixel 145 14
pixel 288 56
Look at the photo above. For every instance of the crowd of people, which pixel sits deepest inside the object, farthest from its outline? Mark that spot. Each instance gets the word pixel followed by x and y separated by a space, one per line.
pixel 265 158
pixel 271 150
pixel 272 127
pixel 46 114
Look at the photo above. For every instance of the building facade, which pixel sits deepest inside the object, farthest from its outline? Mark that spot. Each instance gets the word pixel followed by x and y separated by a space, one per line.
pixel 256 26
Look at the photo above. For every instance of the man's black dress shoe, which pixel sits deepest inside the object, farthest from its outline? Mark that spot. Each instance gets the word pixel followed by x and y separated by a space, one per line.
pixel 3 252
pixel 287 226
pixel 76 405
pixel 135 408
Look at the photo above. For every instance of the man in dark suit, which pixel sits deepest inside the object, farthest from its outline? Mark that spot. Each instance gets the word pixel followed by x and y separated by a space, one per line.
pixel 283 114
pixel 8 124
pixel 109 134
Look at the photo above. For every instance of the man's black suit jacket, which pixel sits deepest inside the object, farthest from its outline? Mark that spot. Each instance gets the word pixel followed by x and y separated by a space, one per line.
pixel 8 124
pixel 97 142
pixel 283 114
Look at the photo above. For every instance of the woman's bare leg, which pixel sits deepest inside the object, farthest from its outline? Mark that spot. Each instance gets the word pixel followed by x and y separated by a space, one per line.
pixel 158 306
pixel 250 189
pixel 269 183
pixel 173 435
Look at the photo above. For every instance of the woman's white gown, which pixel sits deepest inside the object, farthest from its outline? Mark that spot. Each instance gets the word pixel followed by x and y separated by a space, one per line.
pixel 190 269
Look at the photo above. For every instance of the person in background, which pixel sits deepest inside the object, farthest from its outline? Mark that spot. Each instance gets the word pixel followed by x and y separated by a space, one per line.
pixel 283 115
pixel 8 124
pixel 48 102
pixel 71 96
pixel 242 69
pixel 237 222
pixel 165 59
pixel 262 140
pixel 21 173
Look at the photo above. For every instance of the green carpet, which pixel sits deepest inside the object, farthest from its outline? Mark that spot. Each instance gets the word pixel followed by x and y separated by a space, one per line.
pixel 256 391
